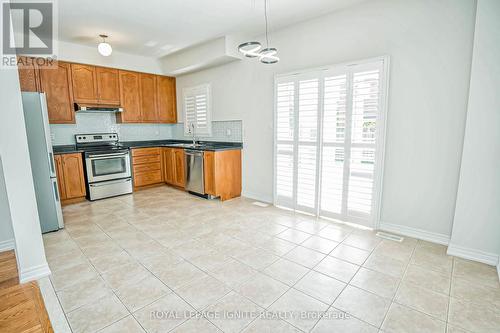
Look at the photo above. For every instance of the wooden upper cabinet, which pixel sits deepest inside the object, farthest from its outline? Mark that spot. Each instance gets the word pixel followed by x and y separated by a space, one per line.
pixel 56 83
pixel 108 86
pixel 145 98
pixel 130 97
pixel 167 102
pixel 148 98
pixel 84 83
pixel 28 74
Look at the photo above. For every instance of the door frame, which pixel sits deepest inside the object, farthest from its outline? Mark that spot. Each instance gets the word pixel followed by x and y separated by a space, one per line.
pixel 381 138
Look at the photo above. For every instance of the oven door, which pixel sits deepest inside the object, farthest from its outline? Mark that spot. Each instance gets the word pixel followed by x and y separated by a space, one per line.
pixel 102 167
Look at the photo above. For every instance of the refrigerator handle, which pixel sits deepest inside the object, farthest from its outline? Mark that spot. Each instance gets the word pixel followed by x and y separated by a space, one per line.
pixel 56 191
pixel 52 167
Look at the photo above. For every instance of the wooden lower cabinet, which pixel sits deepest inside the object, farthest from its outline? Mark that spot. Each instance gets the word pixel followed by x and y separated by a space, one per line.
pixel 222 173
pixel 147 167
pixel 173 163
pixel 168 165
pixel 179 162
pixel 209 172
pixel 70 177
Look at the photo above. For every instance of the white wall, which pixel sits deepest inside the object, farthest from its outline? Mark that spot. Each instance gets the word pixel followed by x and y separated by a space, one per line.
pixel 476 225
pixel 19 181
pixel 6 234
pixel 89 55
pixel 430 45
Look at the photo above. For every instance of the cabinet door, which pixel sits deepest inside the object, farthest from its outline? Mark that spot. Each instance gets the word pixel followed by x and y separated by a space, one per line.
pixel 148 98
pixel 179 167
pixel 166 97
pixel 130 97
pixel 74 180
pixel 209 172
pixel 28 74
pixel 168 165
pixel 84 83
pixel 108 86
pixel 56 83
pixel 60 177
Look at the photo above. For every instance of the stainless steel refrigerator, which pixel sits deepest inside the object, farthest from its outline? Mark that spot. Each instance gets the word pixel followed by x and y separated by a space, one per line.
pixel 42 161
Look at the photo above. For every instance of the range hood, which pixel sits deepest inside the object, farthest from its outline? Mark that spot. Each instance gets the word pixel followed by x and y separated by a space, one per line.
pixel 97 108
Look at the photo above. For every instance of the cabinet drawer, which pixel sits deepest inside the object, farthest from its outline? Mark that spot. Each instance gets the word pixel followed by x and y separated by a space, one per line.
pixel 147 178
pixel 147 167
pixel 145 151
pixel 145 159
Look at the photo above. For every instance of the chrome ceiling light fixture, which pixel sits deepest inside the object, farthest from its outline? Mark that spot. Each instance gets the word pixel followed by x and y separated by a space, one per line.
pixel 104 48
pixel 266 55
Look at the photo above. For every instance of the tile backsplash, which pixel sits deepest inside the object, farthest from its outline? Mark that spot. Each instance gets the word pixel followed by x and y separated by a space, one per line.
pixel 227 131
pixel 64 134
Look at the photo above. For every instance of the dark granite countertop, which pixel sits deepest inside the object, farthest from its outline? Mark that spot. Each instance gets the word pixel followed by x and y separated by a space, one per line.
pixel 65 149
pixel 203 145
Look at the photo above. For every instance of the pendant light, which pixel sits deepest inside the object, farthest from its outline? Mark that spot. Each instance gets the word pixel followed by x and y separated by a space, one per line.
pixel 254 49
pixel 104 48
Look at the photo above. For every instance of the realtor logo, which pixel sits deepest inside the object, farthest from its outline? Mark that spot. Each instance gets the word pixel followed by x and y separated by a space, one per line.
pixel 28 28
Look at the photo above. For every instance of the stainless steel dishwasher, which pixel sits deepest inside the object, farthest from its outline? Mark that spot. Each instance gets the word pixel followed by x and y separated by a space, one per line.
pixel 194 172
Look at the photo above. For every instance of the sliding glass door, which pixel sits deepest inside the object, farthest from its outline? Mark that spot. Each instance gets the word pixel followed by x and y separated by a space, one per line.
pixel 329 131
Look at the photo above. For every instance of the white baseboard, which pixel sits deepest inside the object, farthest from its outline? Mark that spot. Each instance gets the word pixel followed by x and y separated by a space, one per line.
pixel 259 197
pixel 34 273
pixel 7 245
pixel 415 233
pixel 473 254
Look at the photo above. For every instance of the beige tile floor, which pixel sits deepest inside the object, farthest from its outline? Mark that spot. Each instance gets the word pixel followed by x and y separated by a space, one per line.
pixel 161 260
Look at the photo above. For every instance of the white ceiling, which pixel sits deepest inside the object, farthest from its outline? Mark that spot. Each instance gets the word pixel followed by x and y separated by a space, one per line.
pixel 170 25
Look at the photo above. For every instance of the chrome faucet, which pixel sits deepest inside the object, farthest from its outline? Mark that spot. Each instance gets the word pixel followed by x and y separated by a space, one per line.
pixel 192 132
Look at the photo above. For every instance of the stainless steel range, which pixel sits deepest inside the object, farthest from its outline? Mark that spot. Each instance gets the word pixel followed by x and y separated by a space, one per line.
pixel 107 165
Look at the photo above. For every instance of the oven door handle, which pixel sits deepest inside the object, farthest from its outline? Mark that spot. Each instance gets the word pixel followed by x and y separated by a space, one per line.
pixel 108 182
pixel 103 156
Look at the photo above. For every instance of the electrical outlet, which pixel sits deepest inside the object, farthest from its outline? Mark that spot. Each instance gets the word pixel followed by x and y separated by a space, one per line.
pixel 228 132
pixel 52 137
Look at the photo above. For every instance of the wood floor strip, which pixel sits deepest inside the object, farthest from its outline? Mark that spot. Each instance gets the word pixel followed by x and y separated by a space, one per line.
pixel 22 309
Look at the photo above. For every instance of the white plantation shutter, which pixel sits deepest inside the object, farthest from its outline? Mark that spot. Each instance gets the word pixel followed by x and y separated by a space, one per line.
pixel 365 112
pixel 197 110
pixel 334 128
pixel 285 128
pixel 308 110
pixel 328 130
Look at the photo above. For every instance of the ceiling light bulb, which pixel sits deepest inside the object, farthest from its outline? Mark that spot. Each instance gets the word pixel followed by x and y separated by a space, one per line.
pixel 104 48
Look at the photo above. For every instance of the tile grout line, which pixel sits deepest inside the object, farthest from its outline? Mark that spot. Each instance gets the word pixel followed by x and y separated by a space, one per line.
pixel 399 285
